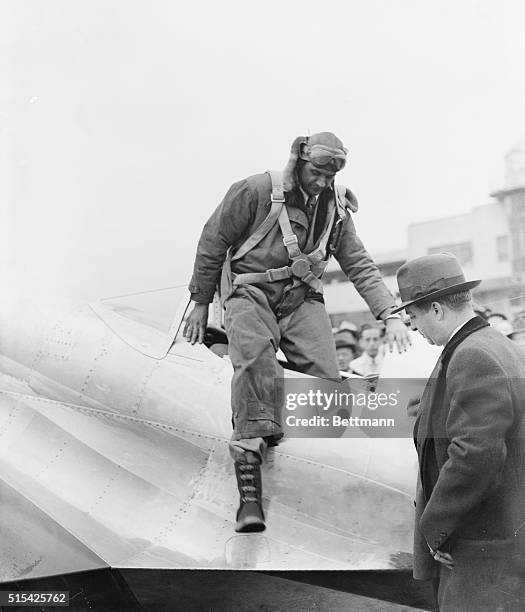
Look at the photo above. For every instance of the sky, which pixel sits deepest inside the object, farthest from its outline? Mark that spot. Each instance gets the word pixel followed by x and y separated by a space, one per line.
pixel 123 123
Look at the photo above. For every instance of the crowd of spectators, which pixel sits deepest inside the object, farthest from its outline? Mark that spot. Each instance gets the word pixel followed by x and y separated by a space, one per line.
pixel 514 329
pixel 360 350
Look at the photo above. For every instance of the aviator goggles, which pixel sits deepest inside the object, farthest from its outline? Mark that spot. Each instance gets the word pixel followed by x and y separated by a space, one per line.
pixel 319 155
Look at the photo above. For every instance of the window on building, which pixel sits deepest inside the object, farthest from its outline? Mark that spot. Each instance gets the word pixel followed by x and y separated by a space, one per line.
pixel 518 246
pixel 518 204
pixel 518 236
pixel 462 250
pixel 502 244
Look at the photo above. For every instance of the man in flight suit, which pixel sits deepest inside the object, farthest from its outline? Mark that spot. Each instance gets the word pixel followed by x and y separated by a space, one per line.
pixel 271 236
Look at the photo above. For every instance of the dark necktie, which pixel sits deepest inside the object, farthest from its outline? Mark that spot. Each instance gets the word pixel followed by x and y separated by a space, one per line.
pixel 310 208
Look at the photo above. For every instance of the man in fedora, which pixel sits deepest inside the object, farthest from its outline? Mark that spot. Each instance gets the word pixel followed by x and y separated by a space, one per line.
pixel 470 439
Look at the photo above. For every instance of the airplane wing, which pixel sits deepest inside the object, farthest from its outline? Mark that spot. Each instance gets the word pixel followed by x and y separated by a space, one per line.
pixel 112 458
pixel 87 488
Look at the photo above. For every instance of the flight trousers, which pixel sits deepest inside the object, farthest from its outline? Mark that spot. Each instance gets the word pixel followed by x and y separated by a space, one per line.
pixel 255 334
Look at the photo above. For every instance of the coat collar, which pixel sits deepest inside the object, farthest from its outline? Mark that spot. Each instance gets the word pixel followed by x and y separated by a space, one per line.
pixel 434 389
pixel 470 327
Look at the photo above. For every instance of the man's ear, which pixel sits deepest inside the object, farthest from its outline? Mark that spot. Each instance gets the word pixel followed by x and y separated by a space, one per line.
pixel 302 149
pixel 438 310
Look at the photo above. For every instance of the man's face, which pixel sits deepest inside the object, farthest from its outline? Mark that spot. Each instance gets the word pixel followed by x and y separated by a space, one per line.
pixel 344 356
pixel 370 341
pixel 426 323
pixel 313 180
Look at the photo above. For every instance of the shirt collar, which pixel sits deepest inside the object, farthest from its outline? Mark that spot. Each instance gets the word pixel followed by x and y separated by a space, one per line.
pixel 459 327
pixel 371 360
pixel 306 196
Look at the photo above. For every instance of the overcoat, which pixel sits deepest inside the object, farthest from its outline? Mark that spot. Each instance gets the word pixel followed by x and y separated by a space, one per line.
pixel 470 500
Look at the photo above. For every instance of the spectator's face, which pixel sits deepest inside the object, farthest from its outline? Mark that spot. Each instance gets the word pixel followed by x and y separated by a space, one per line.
pixel 370 341
pixel 344 356
pixel 314 180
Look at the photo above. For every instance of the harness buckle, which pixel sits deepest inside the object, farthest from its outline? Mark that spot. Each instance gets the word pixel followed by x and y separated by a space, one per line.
pixel 314 282
pixel 277 274
pixel 300 268
pixel 290 239
pixel 277 199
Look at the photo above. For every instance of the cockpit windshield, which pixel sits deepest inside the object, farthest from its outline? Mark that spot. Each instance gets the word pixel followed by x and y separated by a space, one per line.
pixel 155 308
pixel 149 321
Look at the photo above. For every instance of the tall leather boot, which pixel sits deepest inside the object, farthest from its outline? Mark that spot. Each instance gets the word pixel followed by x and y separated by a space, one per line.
pixel 250 516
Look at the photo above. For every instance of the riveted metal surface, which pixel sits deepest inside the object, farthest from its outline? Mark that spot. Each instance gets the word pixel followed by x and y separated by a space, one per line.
pixel 127 456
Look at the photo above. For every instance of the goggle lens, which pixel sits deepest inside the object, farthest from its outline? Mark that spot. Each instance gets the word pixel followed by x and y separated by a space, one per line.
pixel 319 156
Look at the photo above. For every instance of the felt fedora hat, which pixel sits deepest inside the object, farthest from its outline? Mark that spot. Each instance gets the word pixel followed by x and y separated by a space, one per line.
pixel 430 277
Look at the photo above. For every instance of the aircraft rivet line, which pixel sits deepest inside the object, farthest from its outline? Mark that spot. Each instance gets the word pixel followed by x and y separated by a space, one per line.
pixel 9 419
pixel 103 493
pixel 143 386
pixel 106 414
pixel 57 455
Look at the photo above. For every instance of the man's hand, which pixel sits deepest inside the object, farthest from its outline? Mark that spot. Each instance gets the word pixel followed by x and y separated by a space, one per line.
pixel 413 405
pixel 444 558
pixel 195 326
pixel 396 331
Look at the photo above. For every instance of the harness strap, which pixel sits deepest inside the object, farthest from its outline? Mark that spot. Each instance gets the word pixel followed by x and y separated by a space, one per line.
pixel 277 204
pixel 320 252
pixel 289 238
pixel 303 267
pixel 340 200
pixel 277 185
pixel 319 267
pixel 277 274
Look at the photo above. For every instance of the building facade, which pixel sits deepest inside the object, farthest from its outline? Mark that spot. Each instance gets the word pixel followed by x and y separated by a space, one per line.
pixel 489 242
pixel 341 298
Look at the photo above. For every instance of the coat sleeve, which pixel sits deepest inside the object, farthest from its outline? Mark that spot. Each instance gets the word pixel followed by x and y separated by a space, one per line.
pixel 227 226
pixel 361 270
pixel 480 413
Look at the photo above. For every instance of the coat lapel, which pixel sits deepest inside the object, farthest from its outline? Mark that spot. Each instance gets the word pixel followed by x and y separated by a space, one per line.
pixel 422 425
pixel 430 399
pixel 432 402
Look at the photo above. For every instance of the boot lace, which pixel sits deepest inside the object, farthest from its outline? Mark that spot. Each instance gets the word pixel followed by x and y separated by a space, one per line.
pixel 249 477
